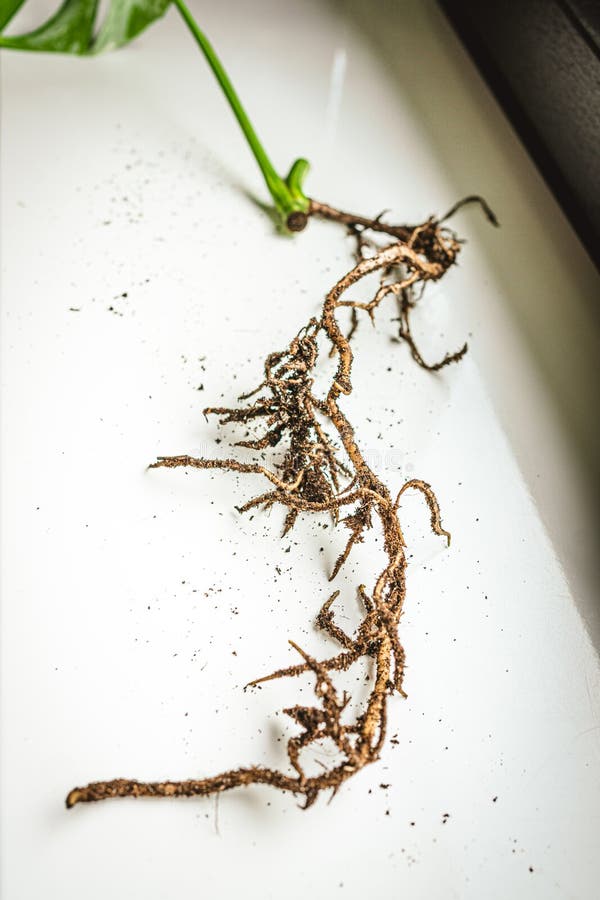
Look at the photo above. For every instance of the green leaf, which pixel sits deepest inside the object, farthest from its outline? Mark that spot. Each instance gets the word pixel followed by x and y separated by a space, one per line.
pixel 71 29
pixel 8 8
pixel 124 21
pixel 68 31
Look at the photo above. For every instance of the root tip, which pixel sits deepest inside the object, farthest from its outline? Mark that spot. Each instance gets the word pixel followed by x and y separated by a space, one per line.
pixel 73 797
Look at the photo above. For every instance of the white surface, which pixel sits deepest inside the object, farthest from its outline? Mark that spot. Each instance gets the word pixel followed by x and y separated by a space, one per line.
pixel 126 594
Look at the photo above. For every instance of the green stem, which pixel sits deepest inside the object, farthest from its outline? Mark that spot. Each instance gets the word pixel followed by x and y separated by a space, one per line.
pixel 287 193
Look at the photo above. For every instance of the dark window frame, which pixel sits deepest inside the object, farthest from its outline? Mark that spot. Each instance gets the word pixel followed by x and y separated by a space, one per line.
pixel 541 58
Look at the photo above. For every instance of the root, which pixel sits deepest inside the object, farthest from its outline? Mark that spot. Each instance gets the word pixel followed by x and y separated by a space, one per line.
pixel 320 453
pixel 434 509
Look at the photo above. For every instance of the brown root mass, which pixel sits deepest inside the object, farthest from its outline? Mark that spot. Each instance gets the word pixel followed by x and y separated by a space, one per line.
pixel 314 476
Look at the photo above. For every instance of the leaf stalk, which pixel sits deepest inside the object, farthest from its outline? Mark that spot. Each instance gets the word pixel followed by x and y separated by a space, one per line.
pixel 287 193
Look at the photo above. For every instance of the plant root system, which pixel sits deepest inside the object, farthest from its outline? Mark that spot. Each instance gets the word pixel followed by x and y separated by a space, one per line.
pixel 323 469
